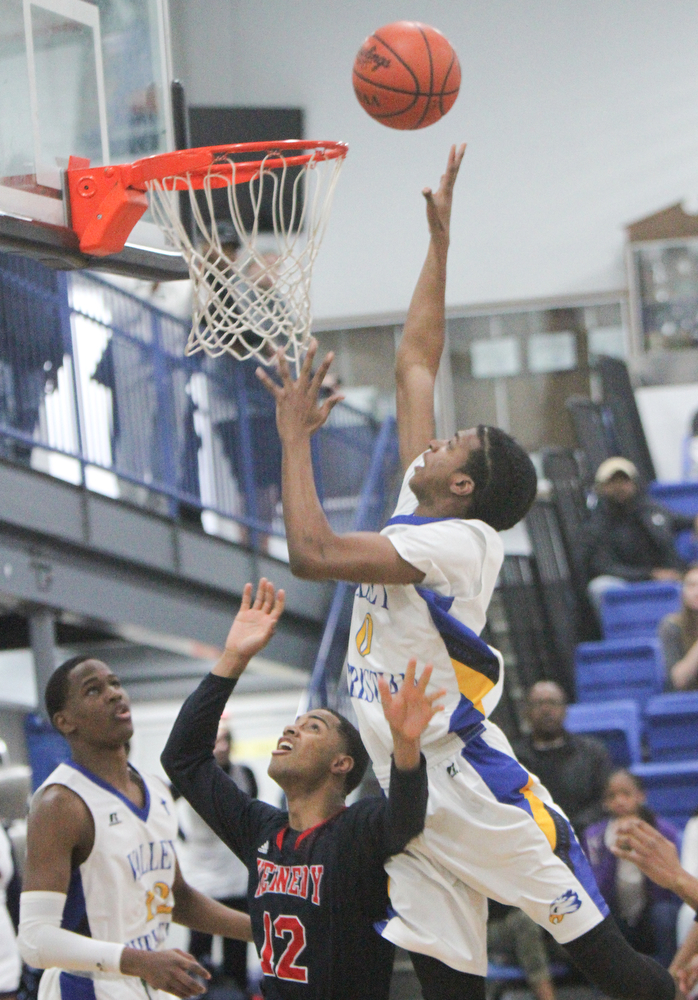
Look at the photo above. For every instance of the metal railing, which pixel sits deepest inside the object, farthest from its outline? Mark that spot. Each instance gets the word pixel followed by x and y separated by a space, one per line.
pixel 95 389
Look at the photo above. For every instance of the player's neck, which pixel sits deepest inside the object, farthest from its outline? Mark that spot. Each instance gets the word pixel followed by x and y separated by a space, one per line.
pixel 441 507
pixel 110 764
pixel 308 808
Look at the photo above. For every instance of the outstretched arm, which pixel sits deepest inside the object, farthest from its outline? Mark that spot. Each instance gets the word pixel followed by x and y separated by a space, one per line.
pixel 315 551
pixel 408 713
pixel 200 913
pixel 188 755
pixel 419 353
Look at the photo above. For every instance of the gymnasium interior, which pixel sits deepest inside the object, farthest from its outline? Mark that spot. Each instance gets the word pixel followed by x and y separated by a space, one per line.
pixel 140 485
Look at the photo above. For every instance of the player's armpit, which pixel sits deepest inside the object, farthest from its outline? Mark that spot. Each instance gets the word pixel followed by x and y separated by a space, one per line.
pixel 357 557
pixel 415 409
pixel 60 835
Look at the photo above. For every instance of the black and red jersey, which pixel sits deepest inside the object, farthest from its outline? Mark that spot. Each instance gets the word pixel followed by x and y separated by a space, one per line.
pixel 314 895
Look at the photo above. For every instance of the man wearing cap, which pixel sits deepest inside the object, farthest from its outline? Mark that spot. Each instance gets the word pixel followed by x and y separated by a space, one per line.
pixel 629 538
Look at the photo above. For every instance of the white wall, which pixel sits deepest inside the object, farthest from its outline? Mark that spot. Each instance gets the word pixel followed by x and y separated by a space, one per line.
pixel 257 722
pixel 667 412
pixel 581 115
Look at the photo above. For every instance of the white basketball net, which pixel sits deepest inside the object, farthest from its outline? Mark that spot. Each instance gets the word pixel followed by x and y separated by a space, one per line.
pixel 253 303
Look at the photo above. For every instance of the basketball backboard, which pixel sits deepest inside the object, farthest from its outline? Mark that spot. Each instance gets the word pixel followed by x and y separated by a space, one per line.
pixel 87 78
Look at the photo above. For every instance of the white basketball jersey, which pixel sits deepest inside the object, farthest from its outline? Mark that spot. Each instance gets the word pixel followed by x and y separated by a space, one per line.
pixel 437 622
pixel 123 891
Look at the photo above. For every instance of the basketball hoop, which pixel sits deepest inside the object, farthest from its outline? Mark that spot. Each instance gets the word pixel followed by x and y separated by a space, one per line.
pixel 250 303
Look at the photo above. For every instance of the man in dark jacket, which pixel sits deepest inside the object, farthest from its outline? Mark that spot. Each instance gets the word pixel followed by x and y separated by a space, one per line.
pixel 629 538
pixel 573 768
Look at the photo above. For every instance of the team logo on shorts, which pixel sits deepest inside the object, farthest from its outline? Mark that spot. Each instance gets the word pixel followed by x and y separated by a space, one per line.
pixel 364 636
pixel 568 902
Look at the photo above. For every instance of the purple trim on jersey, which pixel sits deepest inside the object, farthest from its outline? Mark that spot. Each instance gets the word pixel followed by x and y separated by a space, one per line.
pixel 76 987
pixel 75 909
pixel 506 778
pixel 141 813
pixel 415 519
pixel 75 919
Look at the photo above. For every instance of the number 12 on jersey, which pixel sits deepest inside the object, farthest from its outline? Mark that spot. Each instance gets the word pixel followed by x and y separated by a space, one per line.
pixel 290 929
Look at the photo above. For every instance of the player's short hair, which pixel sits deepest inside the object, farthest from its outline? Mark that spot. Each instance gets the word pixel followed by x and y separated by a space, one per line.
pixel 505 479
pixel 354 747
pixel 58 683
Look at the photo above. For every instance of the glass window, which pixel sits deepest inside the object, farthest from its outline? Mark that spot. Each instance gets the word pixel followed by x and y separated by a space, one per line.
pixel 495 357
pixel 607 340
pixel 552 352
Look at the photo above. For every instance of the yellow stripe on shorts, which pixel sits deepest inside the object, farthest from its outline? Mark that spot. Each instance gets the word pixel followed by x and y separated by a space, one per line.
pixel 540 813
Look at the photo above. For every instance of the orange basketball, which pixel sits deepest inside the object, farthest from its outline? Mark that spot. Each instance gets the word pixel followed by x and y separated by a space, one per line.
pixel 406 75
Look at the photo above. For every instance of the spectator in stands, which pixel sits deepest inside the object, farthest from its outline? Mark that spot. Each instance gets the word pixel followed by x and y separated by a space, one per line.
pixel 10 962
pixel 645 912
pixel 574 768
pixel 513 938
pixel 629 537
pixel 657 858
pixel 212 868
pixel 689 862
pixel 679 637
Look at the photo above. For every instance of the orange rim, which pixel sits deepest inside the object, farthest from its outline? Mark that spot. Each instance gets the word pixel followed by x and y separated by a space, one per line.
pixel 192 167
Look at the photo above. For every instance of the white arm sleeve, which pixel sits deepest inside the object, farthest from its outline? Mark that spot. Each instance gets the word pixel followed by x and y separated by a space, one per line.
pixel 43 943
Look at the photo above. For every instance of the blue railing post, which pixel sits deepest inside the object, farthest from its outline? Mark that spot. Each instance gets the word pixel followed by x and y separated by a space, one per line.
pixel 246 453
pixel 166 429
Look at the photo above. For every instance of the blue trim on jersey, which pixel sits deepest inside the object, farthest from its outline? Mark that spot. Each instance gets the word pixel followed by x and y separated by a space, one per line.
pixel 415 519
pixel 466 647
pixel 142 814
pixel 380 925
pixel 461 642
pixel 76 987
pixel 505 777
pixel 75 909
pixel 465 720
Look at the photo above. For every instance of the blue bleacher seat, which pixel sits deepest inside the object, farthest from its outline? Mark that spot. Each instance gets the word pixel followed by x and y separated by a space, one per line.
pixel 672 788
pixel 617 723
pixel 636 611
pixel 681 497
pixel 671 722
pixel 615 669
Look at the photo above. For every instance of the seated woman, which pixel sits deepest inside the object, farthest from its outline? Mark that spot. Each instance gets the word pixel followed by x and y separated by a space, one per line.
pixel 679 637
pixel 646 913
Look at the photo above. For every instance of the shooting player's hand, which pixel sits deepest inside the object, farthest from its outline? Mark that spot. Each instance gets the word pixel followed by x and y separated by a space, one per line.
pixel 439 201
pixel 408 713
pixel 252 628
pixel 297 412
pixel 173 971
pixel 653 854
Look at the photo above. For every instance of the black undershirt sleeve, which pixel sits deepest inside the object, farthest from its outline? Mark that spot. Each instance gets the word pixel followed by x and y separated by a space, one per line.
pixel 189 763
pixel 391 823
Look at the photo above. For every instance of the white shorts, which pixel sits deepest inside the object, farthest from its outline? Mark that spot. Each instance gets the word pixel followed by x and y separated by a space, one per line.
pixel 58 985
pixel 492 830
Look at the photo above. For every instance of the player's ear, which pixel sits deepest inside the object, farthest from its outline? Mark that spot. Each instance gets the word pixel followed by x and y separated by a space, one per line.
pixel 63 724
pixel 461 484
pixel 342 764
